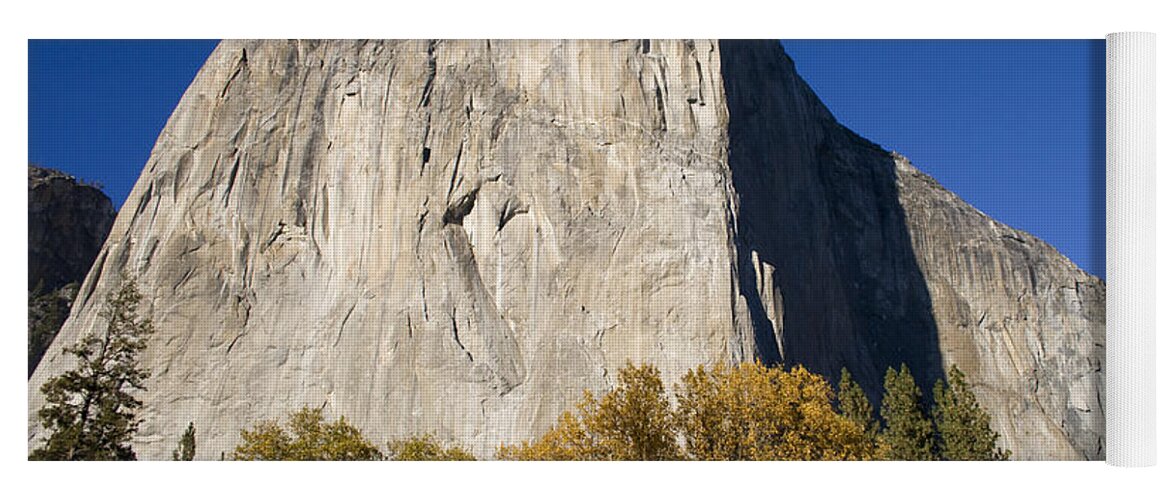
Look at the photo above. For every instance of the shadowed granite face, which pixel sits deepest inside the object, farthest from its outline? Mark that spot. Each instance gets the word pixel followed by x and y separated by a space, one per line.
pixel 865 262
pixel 457 237
pixel 67 223
pixel 820 220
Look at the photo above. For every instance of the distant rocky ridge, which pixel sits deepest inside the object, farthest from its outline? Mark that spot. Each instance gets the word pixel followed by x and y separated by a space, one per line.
pixel 457 237
pixel 67 223
pixel 47 311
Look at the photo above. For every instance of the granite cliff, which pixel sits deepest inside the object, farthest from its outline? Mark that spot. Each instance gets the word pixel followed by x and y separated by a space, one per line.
pixel 67 223
pixel 457 237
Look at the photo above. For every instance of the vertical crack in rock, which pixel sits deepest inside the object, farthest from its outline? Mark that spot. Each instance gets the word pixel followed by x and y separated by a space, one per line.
pixel 342 328
pixel 454 169
pixel 241 65
pixel 862 243
pixel 684 203
pixel 455 337
pixel 428 84
pixel 231 179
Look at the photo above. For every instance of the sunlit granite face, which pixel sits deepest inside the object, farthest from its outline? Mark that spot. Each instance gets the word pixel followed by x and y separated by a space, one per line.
pixel 458 237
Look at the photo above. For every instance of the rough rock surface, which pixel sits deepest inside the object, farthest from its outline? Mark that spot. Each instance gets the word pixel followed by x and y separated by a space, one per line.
pixel 457 237
pixel 46 313
pixel 67 223
pixel 1023 321
pixel 871 263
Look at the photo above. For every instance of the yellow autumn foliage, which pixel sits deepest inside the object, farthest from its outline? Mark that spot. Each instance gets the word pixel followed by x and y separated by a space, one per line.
pixel 632 422
pixel 427 448
pixel 309 438
pixel 745 412
pixel 753 412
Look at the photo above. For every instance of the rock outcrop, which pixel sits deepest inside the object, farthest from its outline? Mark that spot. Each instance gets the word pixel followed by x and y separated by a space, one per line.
pixel 457 237
pixel 871 263
pixel 67 223
pixel 46 313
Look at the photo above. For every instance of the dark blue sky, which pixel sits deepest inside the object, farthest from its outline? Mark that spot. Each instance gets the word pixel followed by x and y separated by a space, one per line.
pixel 1016 128
pixel 95 107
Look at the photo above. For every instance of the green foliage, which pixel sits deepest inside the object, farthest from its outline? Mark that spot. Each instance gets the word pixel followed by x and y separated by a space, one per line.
pixel 854 405
pixel 747 412
pixel 308 438
pixel 186 450
pixel 908 434
pixel 632 422
pixel 89 411
pixel 752 412
pixel 426 448
pixel 963 428
pixel 46 313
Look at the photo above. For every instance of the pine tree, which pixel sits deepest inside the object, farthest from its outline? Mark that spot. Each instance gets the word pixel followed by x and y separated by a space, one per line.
pixel 963 429
pixel 908 433
pixel 186 450
pixel 854 405
pixel 89 411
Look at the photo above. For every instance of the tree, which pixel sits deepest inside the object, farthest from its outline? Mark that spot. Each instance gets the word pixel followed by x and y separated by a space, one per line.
pixel 752 412
pixel 186 450
pixel 964 430
pixel 632 422
pixel 89 411
pixel 567 440
pixel 854 405
pixel 426 448
pixel 908 433
pixel 308 438
pixel 46 313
